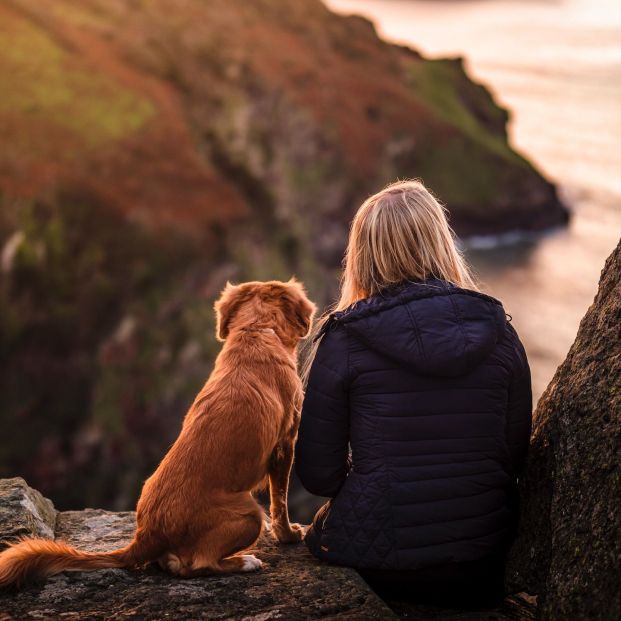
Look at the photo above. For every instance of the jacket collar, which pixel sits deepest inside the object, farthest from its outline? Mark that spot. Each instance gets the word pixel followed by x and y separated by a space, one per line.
pixel 396 295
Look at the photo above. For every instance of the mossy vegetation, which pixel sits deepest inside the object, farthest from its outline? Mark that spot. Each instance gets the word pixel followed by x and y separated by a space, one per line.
pixel 471 165
pixel 448 92
pixel 40 80
pixel 476 177
pixel 102 346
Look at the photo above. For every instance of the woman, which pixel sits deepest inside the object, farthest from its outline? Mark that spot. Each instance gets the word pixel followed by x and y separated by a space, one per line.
pixel 417 414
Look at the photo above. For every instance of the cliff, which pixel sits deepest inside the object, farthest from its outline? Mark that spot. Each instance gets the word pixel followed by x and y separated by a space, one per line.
pixel 197 113
pixel 150 151
pixel 569 548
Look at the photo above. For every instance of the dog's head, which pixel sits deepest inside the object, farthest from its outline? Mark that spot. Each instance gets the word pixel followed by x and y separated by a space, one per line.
pixel 282 306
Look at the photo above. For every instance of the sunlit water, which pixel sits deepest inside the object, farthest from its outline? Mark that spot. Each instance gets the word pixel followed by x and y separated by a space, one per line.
pixel 557 65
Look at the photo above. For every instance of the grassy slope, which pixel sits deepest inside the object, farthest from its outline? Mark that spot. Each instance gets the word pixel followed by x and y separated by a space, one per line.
pixel 473 168
pixel 42 81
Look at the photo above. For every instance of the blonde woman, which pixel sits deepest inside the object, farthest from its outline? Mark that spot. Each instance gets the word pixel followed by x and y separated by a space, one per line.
pixel 417 413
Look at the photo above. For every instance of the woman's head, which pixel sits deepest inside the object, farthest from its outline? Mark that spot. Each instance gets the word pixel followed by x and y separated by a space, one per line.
pixel 400 234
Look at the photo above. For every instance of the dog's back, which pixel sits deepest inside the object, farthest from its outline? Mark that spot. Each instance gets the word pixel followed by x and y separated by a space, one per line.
pixel 229 433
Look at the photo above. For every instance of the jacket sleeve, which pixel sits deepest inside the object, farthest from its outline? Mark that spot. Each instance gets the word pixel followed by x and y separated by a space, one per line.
pixel 520 407
pixel 321 455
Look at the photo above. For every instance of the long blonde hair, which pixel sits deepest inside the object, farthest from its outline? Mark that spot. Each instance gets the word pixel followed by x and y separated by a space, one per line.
pixel 399 234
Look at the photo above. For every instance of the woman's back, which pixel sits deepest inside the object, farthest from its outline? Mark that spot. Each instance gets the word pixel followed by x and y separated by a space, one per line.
pixel 429 385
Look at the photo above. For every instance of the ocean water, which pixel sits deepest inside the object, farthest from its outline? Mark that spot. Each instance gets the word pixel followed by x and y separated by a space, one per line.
pixel 556 64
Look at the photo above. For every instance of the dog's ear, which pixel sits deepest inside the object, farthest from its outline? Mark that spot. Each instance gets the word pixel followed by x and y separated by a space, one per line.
pixel 298 308
pixel 231 298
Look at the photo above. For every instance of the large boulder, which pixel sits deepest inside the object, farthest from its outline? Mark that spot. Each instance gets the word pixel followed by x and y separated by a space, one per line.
pixel 569 547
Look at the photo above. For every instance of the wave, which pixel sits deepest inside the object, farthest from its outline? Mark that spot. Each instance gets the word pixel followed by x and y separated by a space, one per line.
pixel 509 238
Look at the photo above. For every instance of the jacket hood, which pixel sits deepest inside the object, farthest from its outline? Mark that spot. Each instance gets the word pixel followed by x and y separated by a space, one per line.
pixel 432 327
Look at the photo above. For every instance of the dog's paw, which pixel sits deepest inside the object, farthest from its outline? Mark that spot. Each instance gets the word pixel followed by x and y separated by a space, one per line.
pixel 172 563
pixel 250 563
pixel 292 533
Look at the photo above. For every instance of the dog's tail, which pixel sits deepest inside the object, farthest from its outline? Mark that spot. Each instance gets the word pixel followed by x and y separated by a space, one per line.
pixel 39 558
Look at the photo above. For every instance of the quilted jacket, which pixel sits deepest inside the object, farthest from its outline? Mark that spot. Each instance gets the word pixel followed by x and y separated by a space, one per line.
pixel 416 422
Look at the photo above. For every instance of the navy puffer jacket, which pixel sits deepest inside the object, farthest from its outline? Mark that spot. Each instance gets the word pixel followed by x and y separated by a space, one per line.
pixel 416 422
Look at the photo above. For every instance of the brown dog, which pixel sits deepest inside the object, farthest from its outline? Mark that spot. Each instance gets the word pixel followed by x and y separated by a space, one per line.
pixel 197 512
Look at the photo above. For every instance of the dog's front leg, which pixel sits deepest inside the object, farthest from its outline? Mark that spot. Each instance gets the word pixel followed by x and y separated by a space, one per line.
pixel 280 469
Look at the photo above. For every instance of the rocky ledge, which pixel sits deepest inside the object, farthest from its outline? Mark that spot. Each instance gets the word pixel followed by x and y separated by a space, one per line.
pixel 292 586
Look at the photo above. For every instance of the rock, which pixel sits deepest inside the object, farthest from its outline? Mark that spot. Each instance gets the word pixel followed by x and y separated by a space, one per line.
pixel 24 511
pixel 520 607
pixel 569 547
pixel 292 586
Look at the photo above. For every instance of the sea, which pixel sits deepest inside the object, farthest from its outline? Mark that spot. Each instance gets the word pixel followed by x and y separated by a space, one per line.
pixel 556 65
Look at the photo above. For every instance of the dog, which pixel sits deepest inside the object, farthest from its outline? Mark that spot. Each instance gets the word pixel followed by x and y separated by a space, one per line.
pixel 196 513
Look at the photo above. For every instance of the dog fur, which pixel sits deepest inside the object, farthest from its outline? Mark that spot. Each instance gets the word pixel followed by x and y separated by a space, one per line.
pixel 196 513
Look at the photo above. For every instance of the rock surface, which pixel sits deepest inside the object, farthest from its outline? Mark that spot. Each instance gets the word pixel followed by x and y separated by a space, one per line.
pixel 24 511
pixel 518 607
pixel 569 548
pixel 293 586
